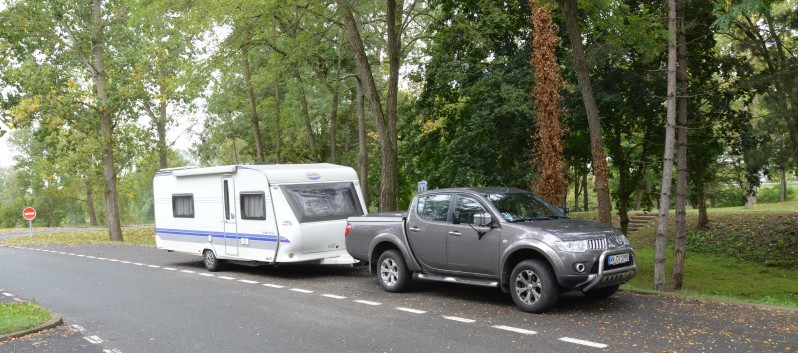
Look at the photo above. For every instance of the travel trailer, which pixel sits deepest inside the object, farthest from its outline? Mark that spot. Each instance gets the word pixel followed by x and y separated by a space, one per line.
pixel 257 213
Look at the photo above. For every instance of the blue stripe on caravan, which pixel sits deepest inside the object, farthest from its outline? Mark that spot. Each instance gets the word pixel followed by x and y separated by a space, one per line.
pixel 197 233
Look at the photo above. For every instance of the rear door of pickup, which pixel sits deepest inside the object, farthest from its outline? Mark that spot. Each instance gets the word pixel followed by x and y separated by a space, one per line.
pixel 470 248
pixel 428 227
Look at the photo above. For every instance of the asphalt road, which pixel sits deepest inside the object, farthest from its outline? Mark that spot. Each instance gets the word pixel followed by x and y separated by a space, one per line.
pixel 140 299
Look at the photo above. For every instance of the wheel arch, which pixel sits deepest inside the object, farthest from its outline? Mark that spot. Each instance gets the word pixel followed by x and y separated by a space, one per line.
pixel 514 255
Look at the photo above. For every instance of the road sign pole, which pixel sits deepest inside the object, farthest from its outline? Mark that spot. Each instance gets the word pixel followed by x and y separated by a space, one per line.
pixel 30 229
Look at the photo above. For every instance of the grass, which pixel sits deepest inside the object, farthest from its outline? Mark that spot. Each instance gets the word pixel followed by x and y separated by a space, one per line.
pixel 20 316
pixel 135 236
pixel 748 255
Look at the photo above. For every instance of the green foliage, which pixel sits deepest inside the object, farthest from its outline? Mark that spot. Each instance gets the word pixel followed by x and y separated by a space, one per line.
pixel 20 316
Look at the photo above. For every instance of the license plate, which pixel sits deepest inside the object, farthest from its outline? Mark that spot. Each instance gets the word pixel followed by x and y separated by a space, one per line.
pixel 617 259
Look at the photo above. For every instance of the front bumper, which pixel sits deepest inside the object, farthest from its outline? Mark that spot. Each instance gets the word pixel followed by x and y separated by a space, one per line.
pixel 608 277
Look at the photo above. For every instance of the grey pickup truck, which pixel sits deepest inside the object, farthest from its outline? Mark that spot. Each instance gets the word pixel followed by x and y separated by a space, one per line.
pixel 495 237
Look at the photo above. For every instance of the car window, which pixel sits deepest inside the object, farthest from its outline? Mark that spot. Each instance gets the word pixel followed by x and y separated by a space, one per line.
pixel 467 207
pixel 433 207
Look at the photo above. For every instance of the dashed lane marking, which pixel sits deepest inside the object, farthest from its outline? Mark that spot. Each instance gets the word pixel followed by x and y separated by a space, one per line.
pixel 187 271
pixel 113 260
pixel 459 319
pixel 333 296
pixel 90 257
pixel 154 266
pixel 93 339
pixel 583 342
pixel 247 281
pixel 138 264
pixel 273 285
pixel 79 328
pixel 8 294
pixel 367 302
pixel 125 262
pixel 300 290
pixel 207 274
pixel 409 310
pixel 168 268
pixel 111 351
pixel 227 278
pixel 515 329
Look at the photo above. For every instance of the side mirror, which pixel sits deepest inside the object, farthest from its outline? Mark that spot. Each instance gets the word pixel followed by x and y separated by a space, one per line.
pixel 483 219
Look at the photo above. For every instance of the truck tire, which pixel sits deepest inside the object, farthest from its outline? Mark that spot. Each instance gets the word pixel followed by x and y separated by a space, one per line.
pixel 212 263
pixel 533 287
pixel 603 292
pixel 392 272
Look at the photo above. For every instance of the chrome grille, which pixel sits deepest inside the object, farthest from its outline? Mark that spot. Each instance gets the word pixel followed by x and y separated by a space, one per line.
pixel 597 244
pixel 615 241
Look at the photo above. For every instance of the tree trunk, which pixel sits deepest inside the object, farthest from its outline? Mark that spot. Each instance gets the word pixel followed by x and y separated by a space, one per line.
pixel 253 106
pixel 703 218
pixel 386 125
pixel 593 120
pixel 303 102
pixel 577 179
pixel 160 123
pixel 90 204
pixel 584 192
pixel 363 156
pixel 231 126
pixel 277 134
pixel 679 247
pixel 667 164
pixel 783 182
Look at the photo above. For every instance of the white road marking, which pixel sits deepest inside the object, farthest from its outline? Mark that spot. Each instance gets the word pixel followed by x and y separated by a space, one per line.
pixel 459 319
pixel 81 255
pixel 154 266
pixel 187 271
pixel 79 328
pixel 333 296
pixel 273 285
pixel 515 329
pixel 227 278
pixel 101 258
pixel 8 294
pixel 301 290
pixel 125 262
pixel 71 254
pixel 367 302
pixel 111 351
pixel 138 264
pixel 113 260
pixel 93 339
pixel 19 300
pixel 168 268
pixel 414 311
pixel 90 257
pixel 583 342
pixel 62 253
pixel 247 281
pixel 207 274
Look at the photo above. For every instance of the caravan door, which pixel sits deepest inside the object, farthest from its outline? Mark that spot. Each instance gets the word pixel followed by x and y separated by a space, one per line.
pixel 230 225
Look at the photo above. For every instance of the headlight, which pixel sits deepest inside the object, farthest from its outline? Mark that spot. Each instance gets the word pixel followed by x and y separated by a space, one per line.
pixel 618 241
pixel 572 246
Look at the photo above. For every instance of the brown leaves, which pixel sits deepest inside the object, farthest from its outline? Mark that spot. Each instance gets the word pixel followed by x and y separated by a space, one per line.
pixel 551 183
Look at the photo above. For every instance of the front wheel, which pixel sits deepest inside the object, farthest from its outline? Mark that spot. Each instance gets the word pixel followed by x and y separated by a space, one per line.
pixel 212 263
pixel 533 286
pixel 392 272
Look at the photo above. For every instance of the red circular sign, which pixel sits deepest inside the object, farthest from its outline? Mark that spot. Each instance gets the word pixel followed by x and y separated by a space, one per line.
pixel 29 213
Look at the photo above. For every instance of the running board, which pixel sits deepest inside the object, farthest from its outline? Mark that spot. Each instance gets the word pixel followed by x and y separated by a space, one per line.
pixel 463 280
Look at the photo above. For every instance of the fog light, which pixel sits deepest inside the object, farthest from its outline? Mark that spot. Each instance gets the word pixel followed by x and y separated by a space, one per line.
pixel 579 267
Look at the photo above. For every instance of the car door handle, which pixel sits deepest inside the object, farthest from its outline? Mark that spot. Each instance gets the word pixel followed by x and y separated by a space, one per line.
pixel 454 233
pixel 414 229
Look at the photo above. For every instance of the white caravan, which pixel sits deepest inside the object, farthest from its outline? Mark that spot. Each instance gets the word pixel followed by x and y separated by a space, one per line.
pixel 257 213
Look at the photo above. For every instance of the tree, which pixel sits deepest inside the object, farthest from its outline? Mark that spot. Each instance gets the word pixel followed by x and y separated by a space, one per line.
pixel 597 144
pixel 679 247
pixel 667 164
pixel 551 184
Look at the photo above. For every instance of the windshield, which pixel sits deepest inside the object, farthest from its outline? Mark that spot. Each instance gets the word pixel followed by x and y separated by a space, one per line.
pixel 521 207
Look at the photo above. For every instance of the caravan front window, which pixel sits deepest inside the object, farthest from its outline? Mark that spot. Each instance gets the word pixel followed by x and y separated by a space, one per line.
pixel 323 202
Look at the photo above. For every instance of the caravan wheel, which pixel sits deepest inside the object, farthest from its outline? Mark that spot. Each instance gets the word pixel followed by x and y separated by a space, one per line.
pixel 211 262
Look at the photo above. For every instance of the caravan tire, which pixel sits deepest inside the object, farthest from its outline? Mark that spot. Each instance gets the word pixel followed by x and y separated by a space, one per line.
pixel 212 263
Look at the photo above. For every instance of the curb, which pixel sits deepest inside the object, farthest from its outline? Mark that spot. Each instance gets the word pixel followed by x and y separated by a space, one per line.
pixel 700 299
pixel 54 322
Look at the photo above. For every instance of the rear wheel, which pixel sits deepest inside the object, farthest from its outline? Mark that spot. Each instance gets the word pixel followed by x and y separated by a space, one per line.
pixel 533 286
pixel 603 292
pixel 392 272
pixel 211 262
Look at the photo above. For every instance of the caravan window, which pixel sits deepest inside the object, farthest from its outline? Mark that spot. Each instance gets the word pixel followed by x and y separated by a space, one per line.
pixel 253 205
pixel 183 205
pixel 323 202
